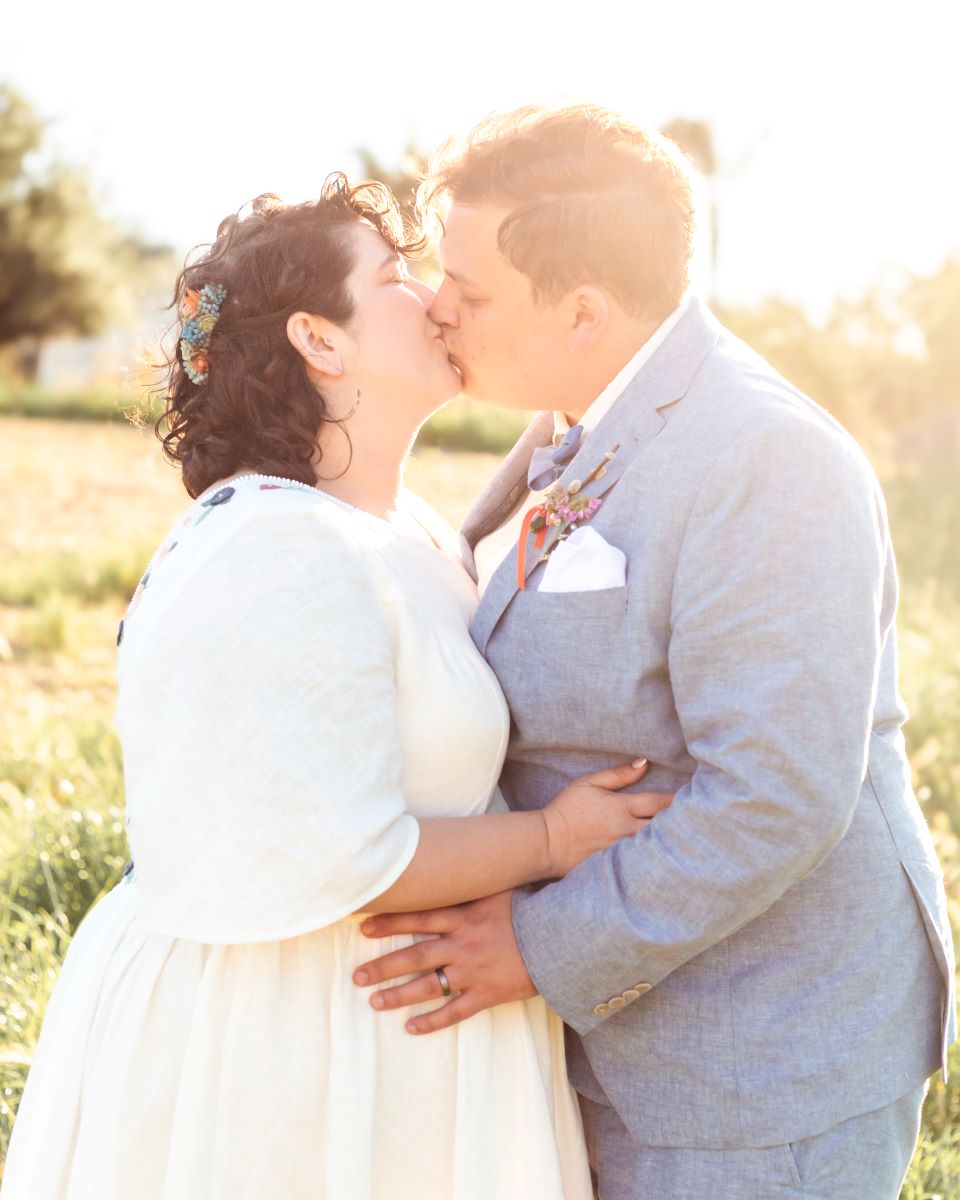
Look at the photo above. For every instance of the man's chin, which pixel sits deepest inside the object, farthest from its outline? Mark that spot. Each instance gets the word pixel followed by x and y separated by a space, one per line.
pixel 473 389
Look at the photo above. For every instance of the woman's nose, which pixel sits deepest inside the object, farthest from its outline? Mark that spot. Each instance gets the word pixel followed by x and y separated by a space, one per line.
pixel 424 291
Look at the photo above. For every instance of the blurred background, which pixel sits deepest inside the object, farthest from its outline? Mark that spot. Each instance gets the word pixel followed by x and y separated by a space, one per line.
pixel 824 135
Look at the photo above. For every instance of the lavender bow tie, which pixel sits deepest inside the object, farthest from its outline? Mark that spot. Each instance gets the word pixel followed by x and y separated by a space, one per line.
pixel 548 462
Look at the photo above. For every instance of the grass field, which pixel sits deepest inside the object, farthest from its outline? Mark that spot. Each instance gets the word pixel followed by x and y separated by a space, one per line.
pixel 84 504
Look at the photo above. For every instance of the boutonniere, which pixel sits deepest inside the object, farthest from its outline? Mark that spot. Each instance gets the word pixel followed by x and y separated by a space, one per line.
pixel 560 511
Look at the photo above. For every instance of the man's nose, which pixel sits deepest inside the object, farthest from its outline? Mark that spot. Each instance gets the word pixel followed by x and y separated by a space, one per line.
pixel 443 311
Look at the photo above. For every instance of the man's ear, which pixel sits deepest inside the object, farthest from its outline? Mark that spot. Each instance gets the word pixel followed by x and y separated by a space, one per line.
pixel 587 315
pixel 315 339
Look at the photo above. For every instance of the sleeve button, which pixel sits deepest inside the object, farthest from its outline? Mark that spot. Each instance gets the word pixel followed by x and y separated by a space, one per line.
pixel 616 1002
pixel 630 995
pixel 601 1010
pixel 643 988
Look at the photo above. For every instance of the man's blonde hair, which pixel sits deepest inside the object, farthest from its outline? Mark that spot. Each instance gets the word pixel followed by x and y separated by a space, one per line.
pixel 591 198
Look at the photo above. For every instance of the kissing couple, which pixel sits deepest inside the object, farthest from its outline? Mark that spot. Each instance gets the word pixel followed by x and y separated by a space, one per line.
pixel 572 856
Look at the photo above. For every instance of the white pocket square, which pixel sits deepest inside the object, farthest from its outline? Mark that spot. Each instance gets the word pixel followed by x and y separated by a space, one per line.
pixel 584 562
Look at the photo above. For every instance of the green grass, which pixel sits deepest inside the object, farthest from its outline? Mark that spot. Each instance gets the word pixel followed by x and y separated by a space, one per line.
pixel 925 521
pixel 45 629
pixel 466 425
pixel 88 404
pixel 935 1170
pixel 62 846
pixel 35 580
pixel 462 425
pixel 61 816
pixel 32 947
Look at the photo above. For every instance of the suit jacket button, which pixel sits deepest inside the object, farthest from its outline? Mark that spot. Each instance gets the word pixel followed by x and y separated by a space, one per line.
pixel 630 995
pixel 643 988
pixel 601 1010
pixel 617 1002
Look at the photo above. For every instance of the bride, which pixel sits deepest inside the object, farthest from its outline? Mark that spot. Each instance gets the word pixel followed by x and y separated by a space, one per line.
pixel 308 735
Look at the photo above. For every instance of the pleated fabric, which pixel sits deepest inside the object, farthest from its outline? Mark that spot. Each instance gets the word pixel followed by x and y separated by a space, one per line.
pixel 174 1070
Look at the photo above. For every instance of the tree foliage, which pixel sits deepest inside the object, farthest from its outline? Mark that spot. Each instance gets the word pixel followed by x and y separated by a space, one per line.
pixel 403 180
pixel 886 365
pixel 62 263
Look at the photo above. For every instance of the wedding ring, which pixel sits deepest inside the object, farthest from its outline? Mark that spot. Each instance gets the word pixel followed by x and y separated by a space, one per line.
pixel 444 982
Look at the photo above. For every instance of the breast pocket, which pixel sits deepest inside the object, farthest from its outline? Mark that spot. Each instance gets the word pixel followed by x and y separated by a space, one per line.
pixel 584 635
pixel 582 668
pixel 607 604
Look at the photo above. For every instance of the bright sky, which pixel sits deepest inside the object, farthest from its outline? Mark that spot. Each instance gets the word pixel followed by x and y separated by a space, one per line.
pixel 835 120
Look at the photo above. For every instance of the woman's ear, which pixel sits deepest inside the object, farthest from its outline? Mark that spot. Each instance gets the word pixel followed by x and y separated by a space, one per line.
pixel 315 339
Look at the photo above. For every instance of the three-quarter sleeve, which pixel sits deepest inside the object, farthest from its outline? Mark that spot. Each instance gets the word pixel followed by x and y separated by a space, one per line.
pixel 258 723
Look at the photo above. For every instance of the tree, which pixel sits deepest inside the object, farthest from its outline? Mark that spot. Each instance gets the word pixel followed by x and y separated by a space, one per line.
pixel 933 303
pixel 61 262
pixel 695 139
pixel 403 180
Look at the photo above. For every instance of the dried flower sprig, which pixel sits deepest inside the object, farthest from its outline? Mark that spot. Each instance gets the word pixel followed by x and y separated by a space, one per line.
pixel 559 512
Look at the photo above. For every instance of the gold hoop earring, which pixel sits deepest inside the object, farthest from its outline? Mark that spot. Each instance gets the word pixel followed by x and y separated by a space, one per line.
pixel 356 405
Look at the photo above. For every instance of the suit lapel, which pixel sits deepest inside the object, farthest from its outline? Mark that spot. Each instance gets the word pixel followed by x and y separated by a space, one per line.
pixel 505 491
pixel 503 585
pixel 631 423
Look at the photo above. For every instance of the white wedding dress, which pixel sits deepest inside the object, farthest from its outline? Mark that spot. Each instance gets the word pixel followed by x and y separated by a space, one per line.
pixel 297 685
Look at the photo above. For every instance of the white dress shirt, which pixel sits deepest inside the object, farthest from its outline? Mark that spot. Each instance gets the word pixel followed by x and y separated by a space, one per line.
pixel 491 550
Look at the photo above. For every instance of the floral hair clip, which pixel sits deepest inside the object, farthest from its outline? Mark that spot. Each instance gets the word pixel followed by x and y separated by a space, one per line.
pixel 199 312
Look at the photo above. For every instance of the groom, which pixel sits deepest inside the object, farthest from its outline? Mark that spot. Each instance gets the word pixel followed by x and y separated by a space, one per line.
pixel 757 985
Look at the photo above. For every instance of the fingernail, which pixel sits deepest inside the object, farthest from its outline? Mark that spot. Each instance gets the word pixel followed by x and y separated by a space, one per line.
pixel 639 762
pixel 361 977
pixel 412 1028
pixel 368 927
pixel 377 1001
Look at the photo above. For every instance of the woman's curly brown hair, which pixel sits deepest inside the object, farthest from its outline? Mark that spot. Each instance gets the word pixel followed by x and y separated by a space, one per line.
pixel 257 409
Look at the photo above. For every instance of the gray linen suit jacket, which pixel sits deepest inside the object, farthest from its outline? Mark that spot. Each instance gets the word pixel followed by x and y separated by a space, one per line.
pixel 771 955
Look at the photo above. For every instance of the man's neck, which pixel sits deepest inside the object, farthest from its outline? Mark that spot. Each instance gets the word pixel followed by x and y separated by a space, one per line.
pixel 627 354
pixel 604 369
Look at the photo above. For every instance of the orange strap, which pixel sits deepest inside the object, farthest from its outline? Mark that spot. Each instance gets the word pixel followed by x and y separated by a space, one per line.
pixel 522 547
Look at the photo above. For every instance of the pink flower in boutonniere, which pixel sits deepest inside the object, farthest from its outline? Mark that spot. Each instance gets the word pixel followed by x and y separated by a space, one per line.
pixel 561 509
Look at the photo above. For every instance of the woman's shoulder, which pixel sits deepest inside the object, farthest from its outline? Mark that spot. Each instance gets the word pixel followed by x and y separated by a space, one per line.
pixel 247 540
pixel 250 510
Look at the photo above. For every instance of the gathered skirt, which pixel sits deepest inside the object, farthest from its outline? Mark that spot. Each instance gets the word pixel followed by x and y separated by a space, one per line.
pixel 174 1070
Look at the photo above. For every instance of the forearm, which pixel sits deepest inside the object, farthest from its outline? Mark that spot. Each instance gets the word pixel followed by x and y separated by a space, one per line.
pixel 703 869
pixel 464 858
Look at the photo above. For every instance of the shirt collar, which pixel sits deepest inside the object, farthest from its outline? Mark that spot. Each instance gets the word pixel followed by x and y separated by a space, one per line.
pixel 616 387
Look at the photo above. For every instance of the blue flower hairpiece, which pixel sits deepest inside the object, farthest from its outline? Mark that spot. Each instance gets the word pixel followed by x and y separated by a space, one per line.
pixel 199 311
